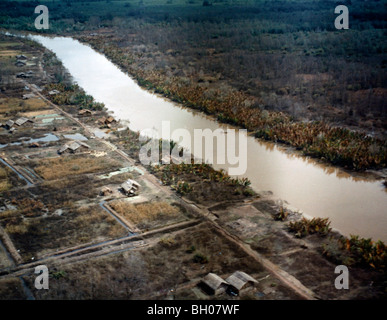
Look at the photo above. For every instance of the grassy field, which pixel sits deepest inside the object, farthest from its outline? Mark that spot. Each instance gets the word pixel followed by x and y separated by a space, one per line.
pixel 147 215
pixel 37 235
pixel 60 167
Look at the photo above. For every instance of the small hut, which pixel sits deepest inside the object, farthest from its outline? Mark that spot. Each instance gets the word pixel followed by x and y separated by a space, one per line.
pixel 73 147
pixel 21 57
pixel 240 280
pixel 20 63
pixel 85 112
pixel 22 121
pixel 9 124
pixel 53 92
pixel 105 191
pixel 28 96
pixel 130 187
pixel 212 284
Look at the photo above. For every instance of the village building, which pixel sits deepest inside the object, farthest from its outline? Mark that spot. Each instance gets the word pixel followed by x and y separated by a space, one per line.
pixel 23 75
pixel 21 57
pixel 22 121
pixel 9 124
pixel 34 145
pixel 105 191
pixel 130 187
pixel 28 96
pixel 73 147
pixel 107 121
pixel 212 284
pixel 53 92
pixel 20 63
pixel 240 280
pixel 85 112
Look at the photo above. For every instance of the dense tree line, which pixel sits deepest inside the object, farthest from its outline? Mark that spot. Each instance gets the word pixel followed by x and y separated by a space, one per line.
pixel 277 56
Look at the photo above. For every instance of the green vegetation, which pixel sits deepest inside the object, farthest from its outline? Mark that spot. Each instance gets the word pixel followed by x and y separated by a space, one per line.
pixel 202 183
pixel 278 68
pixel 200 258
pixel 366 251
pixel 305 227
pixel 281 215
pixel 356 251
pixel 191 249
pixel 72 94
pixel 204 171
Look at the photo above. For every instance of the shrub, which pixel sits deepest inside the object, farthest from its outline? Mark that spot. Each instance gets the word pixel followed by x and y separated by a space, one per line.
pixel 281 215
pixel 305 227
pixel 200 258
pixel 167 242
pixel 366 251
pixel 191 249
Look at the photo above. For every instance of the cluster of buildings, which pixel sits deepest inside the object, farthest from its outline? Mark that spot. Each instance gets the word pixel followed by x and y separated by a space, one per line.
pixel 212 284
pixel 10 124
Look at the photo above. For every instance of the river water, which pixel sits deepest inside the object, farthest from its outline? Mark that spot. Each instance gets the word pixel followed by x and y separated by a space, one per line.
pixel 354 205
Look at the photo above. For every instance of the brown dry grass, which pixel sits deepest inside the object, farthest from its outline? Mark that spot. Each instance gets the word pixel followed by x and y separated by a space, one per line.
pixel 8 53
pixel 6 214
pixel 60 167
pixel 145 212
pixel 44 234
pixel 20 105
pixel 4 182
pixel 11 289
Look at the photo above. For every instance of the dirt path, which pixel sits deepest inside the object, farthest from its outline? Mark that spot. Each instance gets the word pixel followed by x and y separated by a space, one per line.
pixel 113 246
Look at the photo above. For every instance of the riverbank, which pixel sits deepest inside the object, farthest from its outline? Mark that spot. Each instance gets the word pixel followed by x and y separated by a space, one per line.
pixel 268 168
pixel 242 232
pixel 336 145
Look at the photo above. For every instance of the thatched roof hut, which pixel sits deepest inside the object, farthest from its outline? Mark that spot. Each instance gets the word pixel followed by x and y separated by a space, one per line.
pixel 9 124
pixel 105 191
pixel 130 187
pixel 240 280
pixel 85 112
pixel 73 146
pixel 213 284
pixel 22 121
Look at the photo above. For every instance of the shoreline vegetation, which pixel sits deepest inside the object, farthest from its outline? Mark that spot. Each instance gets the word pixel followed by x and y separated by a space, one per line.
pixel 187 181
pixel 285 76
pixel 338 146
pixel 358 253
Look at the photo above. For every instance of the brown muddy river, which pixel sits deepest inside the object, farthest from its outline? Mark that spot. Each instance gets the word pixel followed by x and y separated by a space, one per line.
pixel 354 205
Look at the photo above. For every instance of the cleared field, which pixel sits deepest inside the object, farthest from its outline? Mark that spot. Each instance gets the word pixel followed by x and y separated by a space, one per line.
pixel 148 215
pixel 11 289
pixel 4 182
pixel 37 113
pixel 8 53
pixel 158 271
pixel 35 236
pixel 14 105
pixel 60 167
